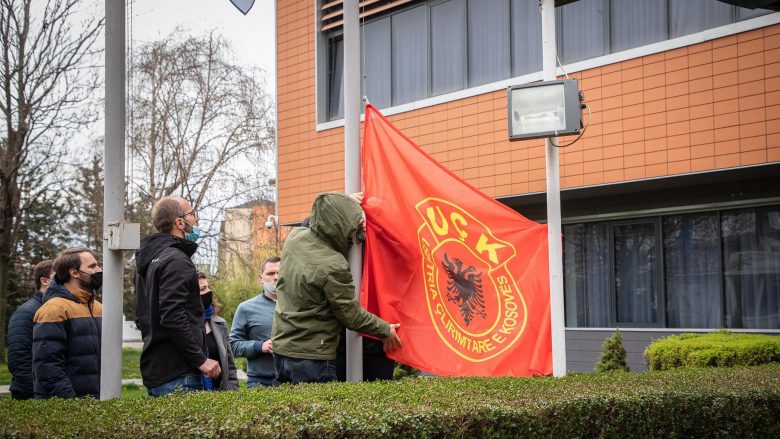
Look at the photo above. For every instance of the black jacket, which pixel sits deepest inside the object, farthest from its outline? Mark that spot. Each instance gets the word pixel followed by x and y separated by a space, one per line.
pixel 168 309
pixel 66 344
pixel 20 342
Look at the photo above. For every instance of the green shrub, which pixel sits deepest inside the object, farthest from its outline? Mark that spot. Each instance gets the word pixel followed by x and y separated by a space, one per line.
pixel 715 402
pixel 402 371
pixel 613 355
pixel 717 349
pixel 231 292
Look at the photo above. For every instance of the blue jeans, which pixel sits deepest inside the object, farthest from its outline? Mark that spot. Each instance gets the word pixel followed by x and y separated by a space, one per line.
pixel 259 381
pixel 299 370
pixel 184 383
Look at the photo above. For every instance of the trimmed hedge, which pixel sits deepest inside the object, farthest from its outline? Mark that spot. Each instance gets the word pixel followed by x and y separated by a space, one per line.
pixel 717 349
pixel 677 403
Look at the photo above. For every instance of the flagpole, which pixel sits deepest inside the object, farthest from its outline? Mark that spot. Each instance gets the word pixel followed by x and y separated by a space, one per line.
pixel 553 202
pixel 352 163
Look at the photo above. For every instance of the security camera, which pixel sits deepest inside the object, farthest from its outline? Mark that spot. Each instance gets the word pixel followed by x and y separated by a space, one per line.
pixel 269 224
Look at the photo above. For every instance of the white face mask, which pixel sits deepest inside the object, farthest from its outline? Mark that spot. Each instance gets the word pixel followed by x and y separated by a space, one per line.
pixel 269 286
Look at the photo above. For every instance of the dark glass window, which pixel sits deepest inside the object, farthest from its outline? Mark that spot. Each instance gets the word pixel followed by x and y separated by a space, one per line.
pixel 635 23
pixel 448 56
pixel 583 26
pixel 440 46
pixel 690 16
pixel 488 41
pixel 692 271
pixel 696 270
pixel 410 55
pixel 636 274
pixel 586 274
pixel 336 79
pixel 526 37
pixel 751 263
pixel 376 69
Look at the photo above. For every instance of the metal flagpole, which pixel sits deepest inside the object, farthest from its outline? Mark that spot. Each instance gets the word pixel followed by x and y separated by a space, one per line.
pixel 553 202
pixel 352 162
pixel 113 200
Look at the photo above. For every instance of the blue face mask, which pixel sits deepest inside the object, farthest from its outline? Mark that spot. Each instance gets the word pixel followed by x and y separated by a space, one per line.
pixel 194 234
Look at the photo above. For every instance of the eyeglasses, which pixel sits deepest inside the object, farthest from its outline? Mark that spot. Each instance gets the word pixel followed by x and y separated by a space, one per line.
pixel 193 212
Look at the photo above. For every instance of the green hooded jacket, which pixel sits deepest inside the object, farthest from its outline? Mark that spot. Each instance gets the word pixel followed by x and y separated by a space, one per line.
pixel 315 293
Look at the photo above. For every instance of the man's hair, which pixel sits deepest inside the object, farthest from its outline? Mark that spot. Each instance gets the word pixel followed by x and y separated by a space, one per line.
pixel 67 259
pixel 43 269
pixel 269 260
pixel 165 212
pixel 202 275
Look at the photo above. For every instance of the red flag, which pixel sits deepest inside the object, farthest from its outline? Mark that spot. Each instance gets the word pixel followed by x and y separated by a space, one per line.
pixel 466 276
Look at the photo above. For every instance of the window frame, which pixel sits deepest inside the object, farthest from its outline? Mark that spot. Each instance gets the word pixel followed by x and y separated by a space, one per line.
pixel 323 123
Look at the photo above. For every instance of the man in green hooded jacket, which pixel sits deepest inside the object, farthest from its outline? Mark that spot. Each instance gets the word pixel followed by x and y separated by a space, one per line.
pixel 316 295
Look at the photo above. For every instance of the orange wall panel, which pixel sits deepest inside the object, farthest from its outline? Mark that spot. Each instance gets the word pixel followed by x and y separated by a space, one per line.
pixel 708 106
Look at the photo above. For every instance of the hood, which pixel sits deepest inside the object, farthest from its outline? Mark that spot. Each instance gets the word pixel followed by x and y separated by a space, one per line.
pixel 152 245
pixel 333 217
pixel 57 289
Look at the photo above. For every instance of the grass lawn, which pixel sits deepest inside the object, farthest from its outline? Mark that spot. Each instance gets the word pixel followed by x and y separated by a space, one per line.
pixel 131 363
pixel 5 375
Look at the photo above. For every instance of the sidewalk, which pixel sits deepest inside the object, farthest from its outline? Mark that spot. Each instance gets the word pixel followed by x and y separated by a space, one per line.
pixel 136 381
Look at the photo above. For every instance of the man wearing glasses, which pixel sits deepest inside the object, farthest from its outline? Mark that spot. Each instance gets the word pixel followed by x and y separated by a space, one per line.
pixel 169 311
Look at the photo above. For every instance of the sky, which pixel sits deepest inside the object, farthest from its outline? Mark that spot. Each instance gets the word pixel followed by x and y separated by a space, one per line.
pixel 252 36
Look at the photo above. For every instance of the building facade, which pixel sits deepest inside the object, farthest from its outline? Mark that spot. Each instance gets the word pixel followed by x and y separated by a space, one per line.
pixel 670 200
pixel 247 236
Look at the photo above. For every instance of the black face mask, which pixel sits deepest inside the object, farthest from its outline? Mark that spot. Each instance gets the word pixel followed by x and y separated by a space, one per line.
pixel 206 299
pixel 95 280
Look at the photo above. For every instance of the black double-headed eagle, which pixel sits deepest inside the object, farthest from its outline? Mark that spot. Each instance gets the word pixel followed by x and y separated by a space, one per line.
pixel 464 288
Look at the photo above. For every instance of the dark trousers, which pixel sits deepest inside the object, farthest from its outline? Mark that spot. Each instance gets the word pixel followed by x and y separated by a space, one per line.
pixel 21 395
pixel 300 370
pixel 376 365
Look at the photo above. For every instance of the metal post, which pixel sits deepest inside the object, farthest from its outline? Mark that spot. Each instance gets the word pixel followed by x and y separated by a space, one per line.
pixel 113 200
pixel 553 203
pixel 352 103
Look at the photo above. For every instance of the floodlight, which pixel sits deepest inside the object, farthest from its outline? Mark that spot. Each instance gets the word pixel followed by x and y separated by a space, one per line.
pixel 545 109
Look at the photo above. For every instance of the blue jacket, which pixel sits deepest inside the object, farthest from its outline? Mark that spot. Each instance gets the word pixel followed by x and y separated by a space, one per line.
pixel 66 344
pixel 20 343
pixel 251 328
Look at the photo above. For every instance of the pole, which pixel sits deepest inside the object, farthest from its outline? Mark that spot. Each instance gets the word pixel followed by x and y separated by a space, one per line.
pixel 352 162
pixel 553 203
pixel 113 201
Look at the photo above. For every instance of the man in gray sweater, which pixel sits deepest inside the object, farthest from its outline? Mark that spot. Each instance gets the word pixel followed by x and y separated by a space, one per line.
pixel 250 335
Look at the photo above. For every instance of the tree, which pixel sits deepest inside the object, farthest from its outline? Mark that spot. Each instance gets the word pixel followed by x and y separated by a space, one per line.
pixel 613 355
pixel 47 79
pixel 201 127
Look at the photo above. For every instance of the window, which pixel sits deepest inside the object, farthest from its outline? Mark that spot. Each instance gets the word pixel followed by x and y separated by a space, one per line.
pixel 526 37
pixel 582 32
pixel 428 48
pixel 410 54
pixel 447 47
pixel 636 262
pixel 376 69
pixel 751 267
pixel 488 37
pixel 698 270
pixel 635 23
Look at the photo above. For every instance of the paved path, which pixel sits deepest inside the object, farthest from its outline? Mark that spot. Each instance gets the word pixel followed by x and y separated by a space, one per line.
pixel 137 381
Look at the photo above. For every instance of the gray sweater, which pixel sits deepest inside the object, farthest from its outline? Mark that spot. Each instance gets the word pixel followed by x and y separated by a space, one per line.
pixel 251 327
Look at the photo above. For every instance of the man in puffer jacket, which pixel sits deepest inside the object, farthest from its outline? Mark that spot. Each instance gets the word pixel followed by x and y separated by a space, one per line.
pixel 20 335
pixel 66 336
pixel 316 296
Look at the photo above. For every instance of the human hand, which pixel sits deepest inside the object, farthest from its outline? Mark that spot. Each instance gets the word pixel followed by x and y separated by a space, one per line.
pixel 357 196
pixel 268 347
pixel 211 368
pixel 392 342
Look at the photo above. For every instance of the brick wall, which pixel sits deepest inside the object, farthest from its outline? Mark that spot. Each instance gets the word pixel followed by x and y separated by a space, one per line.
pixel 713 105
